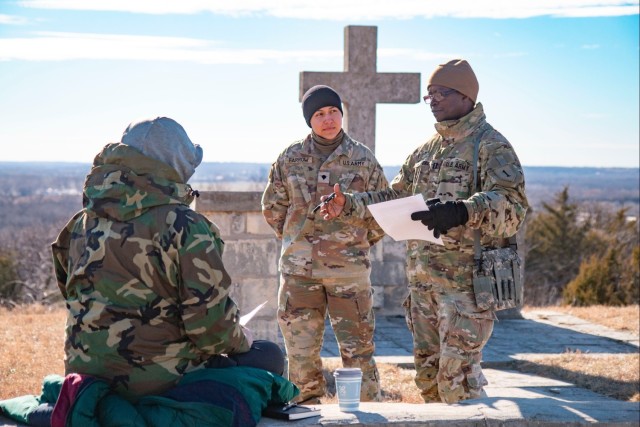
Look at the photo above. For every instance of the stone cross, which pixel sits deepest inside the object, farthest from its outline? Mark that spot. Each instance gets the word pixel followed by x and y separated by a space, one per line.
pixel 361 87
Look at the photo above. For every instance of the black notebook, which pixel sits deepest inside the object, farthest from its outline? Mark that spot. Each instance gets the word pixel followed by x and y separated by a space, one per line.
pixel 290 411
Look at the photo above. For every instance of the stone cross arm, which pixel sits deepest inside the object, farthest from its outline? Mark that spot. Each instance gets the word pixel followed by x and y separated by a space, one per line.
pixel 385 88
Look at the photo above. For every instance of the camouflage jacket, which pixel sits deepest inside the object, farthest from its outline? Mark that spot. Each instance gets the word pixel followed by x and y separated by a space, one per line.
pixel 443 168
pixel 141 273
pixel 311 246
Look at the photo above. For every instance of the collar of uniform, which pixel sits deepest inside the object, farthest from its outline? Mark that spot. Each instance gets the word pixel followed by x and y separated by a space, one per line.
pixel 306 148
pixel 463 127
pixel 344 149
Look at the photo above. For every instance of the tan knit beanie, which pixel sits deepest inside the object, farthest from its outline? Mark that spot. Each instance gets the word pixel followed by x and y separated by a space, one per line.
pixel 456 74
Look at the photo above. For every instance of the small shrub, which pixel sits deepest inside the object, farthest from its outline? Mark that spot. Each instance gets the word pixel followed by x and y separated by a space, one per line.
pixel 601 281
pixel 8 275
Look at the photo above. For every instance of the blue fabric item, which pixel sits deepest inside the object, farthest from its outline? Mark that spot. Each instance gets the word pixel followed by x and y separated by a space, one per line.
pixel 41 415
pixel 264 354
pixel 227 397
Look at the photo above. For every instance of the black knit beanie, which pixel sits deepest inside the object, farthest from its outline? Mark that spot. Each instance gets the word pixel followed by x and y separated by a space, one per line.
pixel 318 97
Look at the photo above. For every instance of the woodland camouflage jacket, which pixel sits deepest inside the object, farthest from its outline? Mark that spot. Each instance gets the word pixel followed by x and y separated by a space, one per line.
pixel 141 273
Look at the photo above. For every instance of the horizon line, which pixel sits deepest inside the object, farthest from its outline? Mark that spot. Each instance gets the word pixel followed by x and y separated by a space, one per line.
pixel 75 162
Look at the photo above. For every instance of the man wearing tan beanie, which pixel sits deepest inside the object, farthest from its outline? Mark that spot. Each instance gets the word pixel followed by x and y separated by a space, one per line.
pixel 449 322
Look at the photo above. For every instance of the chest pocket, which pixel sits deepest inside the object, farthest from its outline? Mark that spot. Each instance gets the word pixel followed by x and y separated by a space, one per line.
pixel 424 173
pixel 352 182
pixel 300 185
pixel 454 179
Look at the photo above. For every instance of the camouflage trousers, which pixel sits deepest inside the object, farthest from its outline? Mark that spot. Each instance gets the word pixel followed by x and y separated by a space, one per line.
pixel 449 333
pixel 303 304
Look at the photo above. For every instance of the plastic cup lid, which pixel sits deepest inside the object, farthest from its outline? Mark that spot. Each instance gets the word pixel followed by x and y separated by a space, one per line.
pixel 348 372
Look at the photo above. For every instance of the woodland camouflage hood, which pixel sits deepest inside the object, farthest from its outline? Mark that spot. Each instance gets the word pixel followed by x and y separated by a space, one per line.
pixel 124 183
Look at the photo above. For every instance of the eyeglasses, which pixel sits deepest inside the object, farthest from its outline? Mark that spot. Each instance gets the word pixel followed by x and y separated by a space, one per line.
pixel 436 96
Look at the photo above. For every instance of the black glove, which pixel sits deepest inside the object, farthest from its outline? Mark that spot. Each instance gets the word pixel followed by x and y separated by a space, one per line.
pixel 442 216
pixel 431 202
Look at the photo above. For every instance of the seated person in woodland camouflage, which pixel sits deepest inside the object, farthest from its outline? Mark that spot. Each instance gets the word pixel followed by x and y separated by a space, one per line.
pixel 142 275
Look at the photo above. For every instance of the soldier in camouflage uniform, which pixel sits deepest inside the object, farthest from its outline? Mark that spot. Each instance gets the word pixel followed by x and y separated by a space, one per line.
pixel 449 330
pixel 324 267
pixel 141 273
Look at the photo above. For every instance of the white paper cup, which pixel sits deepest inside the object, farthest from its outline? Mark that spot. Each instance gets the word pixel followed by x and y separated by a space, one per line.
pixel 348 382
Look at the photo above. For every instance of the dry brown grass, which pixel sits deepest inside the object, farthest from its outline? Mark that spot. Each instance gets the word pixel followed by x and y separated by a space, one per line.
pixel 619 318
pixel 616 375
pixel 32 347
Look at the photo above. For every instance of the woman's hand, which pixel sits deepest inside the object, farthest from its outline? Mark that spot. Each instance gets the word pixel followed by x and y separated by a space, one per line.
pixel 333 207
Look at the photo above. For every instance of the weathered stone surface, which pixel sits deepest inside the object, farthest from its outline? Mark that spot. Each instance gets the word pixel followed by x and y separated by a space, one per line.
pixel 378 296
pixel 388 274
pixel 252 292
pixel 256 224
pixel 229 223
pixel 377 251
pixel 394 251
pixel 250 258
pixel 394 296
pixel 228 201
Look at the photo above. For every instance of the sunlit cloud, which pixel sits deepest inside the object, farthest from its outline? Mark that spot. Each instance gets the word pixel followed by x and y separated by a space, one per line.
pixel 357 10
pixel 63 46
pixel 12 20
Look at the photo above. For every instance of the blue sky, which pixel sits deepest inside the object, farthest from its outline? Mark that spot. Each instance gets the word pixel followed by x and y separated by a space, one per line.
pixel 558 78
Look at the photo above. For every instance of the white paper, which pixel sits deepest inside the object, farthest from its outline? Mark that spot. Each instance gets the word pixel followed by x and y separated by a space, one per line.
pixel 394 217
pixel 245 319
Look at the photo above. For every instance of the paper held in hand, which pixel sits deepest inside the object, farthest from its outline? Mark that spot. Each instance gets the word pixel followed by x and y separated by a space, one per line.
pixel 394 217
pixel 245 319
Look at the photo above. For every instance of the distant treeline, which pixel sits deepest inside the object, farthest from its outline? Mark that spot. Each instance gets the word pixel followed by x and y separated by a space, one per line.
pixel 620 186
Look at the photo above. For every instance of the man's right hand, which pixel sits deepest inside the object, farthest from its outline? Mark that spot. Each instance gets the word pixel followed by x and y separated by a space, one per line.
pixel 333 208
pixel 441 217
